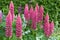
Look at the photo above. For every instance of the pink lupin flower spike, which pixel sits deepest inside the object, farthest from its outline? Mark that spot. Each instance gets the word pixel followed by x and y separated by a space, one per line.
pixel 11 8
pixel 26 13
pixel 51 27
pixel 19 27
pixel 47 26
pixel 40 14
pixel 8 25
pixel 37 7
pixel 46 18
pixel 31 12
pixel 34 21
pixel 36 14
pixel 37 10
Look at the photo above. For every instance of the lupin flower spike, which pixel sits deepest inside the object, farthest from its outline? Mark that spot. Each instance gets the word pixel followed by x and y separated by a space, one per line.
pixel 1 16
pixel 33 26
pixel 46 18
pixel 18 27
pixel 51 27
pixel 37 7
pixel 26 13
pixel 8 29
pixel 40 14
pixel 47 26
pixel 36 14
pixel 11 8
pixel 37 11
pixel 31 12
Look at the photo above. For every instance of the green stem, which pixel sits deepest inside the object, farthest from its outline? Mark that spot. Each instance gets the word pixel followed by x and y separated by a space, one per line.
pixel 8 38
pixel 19 39
pixel 34 34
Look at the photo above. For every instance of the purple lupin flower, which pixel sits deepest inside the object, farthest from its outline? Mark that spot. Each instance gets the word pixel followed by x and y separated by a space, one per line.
pixel 19 27
pixel 8 28
pixel 26 13
pixel 47 26
pixel 40 14
pixel 31 12
pixel 1 16
pixel 51 27
pixel 19 9
pixel 11 8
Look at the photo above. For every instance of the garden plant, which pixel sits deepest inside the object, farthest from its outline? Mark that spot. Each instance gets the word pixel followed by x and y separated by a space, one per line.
pixel 29 20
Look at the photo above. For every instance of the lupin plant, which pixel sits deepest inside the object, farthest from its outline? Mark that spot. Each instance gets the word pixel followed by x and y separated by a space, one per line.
pixel 8 29
pixel 1 15
pixel 26 13
pixel 35 15
pixel 47 26
pixel 19 27
pixel 11 8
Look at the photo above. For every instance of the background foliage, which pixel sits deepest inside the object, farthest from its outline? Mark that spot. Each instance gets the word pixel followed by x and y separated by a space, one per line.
pixel 50 6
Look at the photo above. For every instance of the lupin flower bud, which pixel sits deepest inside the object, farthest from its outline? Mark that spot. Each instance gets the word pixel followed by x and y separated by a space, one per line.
pixel 47 26
pixel 11 8
pixel 40 14
pixel 51 27
pixel 19 27
pixel 19 9
pixel 31 12
pixel 8 28
pixel 1 16
pixel 26 13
